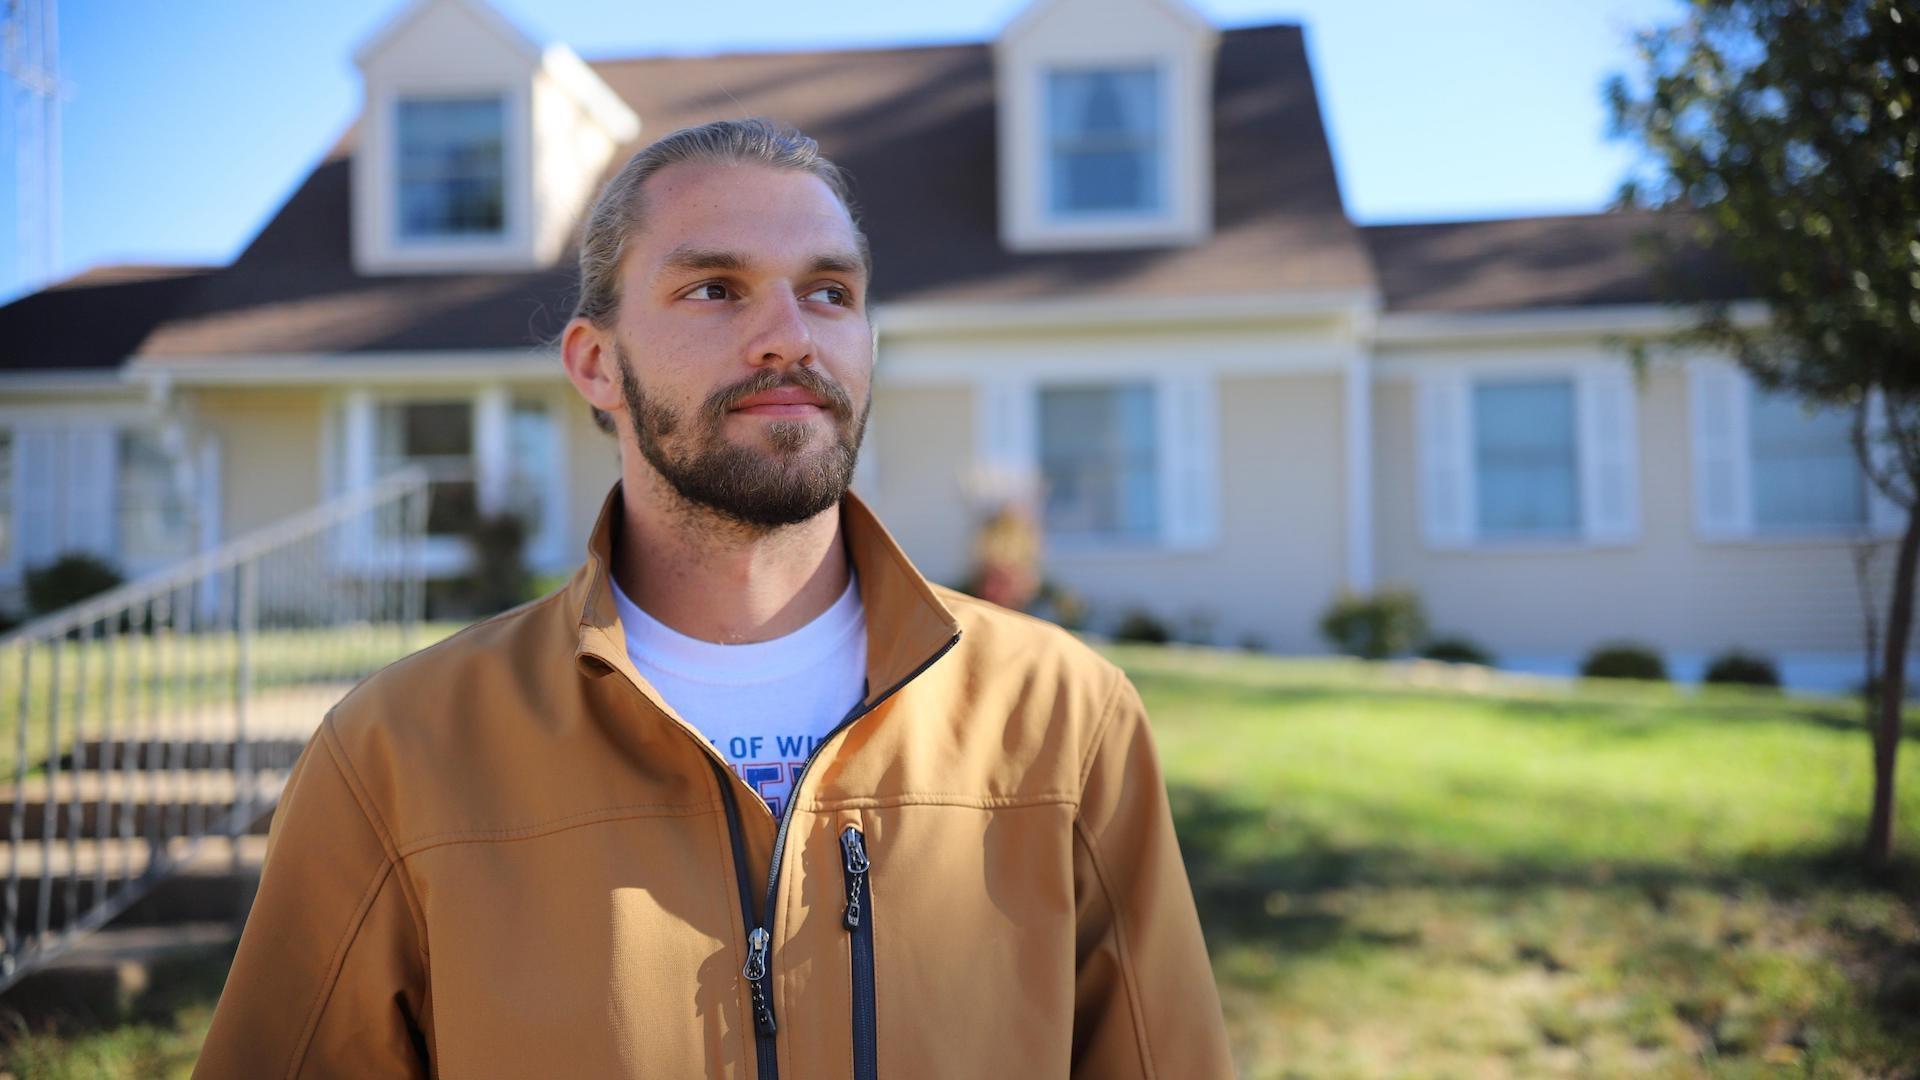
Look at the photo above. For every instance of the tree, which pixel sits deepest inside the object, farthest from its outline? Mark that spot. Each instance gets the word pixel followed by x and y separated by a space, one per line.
pixel 1787 130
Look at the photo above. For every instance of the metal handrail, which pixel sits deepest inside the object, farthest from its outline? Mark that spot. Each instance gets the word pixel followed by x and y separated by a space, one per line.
pixel 169 710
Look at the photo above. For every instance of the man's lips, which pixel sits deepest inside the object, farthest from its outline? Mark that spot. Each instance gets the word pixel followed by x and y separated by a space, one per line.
pixel 784 401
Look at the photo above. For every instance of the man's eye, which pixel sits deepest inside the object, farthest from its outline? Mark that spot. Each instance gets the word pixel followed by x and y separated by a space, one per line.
pixel 830 294
pixel 707 290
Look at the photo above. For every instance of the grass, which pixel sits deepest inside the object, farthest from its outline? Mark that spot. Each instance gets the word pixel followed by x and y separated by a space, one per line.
pixel 1404 874
pixel 1552 879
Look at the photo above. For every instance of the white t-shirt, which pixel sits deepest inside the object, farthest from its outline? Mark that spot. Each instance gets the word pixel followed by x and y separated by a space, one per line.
pixel 765 704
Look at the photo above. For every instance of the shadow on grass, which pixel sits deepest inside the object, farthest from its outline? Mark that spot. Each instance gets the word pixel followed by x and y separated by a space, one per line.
pixel 1289 892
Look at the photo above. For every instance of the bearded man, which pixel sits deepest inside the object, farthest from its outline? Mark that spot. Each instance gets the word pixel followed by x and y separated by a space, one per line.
pixel 748 795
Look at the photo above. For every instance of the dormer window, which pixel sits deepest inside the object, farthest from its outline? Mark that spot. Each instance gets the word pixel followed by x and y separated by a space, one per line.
pixel 1106 146
pixel 452 167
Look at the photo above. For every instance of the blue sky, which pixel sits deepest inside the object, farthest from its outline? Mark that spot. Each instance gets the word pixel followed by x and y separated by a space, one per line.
pixel 187 123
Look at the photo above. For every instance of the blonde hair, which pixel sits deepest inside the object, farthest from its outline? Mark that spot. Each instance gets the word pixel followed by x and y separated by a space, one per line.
pixel 619 211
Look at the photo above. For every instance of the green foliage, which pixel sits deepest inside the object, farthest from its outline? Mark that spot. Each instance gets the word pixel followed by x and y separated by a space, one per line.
pixel 67 580
pixel 1456 649
pixel 1624 660
pixel 1375 626
pixel 1736 666
pixel 1141 625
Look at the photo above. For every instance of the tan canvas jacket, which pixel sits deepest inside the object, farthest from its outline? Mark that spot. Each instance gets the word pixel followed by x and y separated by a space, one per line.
pixel 506 856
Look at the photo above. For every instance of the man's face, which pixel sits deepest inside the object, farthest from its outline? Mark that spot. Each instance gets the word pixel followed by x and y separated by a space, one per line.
pixel 742 341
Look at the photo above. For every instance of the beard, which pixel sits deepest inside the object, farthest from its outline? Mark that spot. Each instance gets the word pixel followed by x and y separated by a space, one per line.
pixel 765 489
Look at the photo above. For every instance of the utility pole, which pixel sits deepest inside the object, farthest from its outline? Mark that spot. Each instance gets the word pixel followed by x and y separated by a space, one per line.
pixel 29 57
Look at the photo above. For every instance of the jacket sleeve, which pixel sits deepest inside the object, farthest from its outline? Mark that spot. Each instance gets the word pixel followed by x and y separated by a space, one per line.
pixel 1145 1001
pixel 329 980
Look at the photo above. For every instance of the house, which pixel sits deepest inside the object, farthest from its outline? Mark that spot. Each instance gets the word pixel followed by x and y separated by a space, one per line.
pixel 1111 256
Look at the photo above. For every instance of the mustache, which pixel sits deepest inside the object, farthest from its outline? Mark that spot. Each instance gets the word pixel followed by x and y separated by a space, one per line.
pixel 720 402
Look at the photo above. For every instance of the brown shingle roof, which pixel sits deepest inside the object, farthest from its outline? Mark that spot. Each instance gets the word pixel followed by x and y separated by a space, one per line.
pixel 915 127
pixel 91 321
pixel 1570 260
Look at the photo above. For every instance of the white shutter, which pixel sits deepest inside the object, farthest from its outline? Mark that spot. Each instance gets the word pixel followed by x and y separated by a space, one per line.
pixel 492 418
pixel 41 453
pixel 1007 436
pixel 92 490
pixel 1884 516
pixel 1444 434
pixel 1722 461
pixel 1187 417
pixel 1608 454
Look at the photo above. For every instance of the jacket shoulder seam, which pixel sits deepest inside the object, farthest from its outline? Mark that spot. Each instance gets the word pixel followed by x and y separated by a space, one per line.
pixel 1128 977
pixel 324 992
pixel 378 824
pixel 555 825
pixel 1107 713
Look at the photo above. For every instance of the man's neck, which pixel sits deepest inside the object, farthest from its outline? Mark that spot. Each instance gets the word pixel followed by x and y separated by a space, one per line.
pixel 715 579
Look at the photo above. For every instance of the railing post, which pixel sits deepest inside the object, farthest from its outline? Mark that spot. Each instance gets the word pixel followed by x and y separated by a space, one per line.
pixel 16 828
pixel 245 620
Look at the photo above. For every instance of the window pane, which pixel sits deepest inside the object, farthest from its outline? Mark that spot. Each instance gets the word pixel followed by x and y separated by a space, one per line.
pixel 1525 460
pixel 530 436
pixel 1097 457
pixel 438 437
pixel 1103 130
pixel 152 513
pixel 1804 470
pixel 452 167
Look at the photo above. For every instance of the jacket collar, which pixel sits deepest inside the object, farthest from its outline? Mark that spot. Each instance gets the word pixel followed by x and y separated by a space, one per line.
pixel 907 625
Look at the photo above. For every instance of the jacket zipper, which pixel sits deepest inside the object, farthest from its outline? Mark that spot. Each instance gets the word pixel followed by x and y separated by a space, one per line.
pixel 859 924
pixel 759 966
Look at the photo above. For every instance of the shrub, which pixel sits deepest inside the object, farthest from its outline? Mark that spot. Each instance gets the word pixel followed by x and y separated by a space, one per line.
pixel 1624 660
pixel 1060 604
pixel 1374 626
pixel 499 578
pixel 1750 669
pixel 1456 649
pixel 1140 625
pixel 67 580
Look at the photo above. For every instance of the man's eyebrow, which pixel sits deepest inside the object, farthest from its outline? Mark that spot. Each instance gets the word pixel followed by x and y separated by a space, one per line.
pixel 695 258
pixel 836 263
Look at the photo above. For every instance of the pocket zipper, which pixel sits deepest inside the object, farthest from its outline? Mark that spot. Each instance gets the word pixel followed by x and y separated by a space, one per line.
pixel 859 923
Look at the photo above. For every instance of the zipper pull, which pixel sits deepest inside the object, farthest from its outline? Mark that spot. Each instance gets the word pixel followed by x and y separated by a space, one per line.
pixel 856 863
pixel 758 942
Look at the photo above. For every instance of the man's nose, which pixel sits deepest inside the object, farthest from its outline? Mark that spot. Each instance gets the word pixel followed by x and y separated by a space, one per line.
pixel 781 335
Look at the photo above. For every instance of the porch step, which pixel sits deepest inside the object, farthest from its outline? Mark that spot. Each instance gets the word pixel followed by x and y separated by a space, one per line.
pixel 205 884
pixel 105 977
pixel 143 804
pixel 183 754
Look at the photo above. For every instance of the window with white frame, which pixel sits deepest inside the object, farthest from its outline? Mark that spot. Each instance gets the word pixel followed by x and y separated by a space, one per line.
pixel 1528 452
pixel 1526 458
pixel 1804 472
pixel 1106 142
pixel 1099 461
pixel 438 437
pixel 153 518
pixel 452 167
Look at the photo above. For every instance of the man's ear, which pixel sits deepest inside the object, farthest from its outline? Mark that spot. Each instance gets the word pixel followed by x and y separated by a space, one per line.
pixel 587 353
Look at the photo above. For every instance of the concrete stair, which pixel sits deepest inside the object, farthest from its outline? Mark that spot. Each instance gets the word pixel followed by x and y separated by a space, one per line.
pixel 91 819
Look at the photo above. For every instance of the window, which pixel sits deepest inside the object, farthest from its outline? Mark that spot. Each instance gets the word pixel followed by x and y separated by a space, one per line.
pixel 153 520
pixel 1525 460
pixel 1098 455
pixel 1104 137
pixel 452 167
pixel 1805 474
pixel 438 437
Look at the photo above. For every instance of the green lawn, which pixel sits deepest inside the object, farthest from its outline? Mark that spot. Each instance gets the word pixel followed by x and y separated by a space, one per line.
pixel 1408 880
